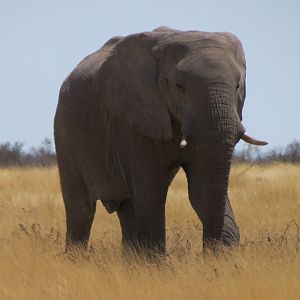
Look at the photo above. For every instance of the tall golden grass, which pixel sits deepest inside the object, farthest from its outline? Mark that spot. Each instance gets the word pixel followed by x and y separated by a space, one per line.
pixel 33 265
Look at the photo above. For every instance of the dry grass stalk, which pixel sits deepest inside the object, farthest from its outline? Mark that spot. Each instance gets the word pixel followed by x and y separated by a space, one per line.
pixel 33 265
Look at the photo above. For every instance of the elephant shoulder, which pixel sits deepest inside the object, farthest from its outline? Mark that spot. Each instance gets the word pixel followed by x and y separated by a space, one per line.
pixel 91 64
pixel 79 81
pixel 111 42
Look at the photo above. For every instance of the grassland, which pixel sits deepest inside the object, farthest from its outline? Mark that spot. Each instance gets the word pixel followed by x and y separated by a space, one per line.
pixel 266 200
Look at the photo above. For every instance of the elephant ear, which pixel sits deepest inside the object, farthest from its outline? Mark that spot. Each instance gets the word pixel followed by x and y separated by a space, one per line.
pixel 127 84
pixel 240 61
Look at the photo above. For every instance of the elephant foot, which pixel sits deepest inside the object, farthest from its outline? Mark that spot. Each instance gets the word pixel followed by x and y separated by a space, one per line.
pixel 230 232
pixel 144 251
pixel 229 239
pixel 150 254
pixel 231 236
pixel 75 246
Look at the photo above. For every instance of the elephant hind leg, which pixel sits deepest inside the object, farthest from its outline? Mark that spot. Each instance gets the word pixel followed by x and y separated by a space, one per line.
pixel 79 205
pixel 126 214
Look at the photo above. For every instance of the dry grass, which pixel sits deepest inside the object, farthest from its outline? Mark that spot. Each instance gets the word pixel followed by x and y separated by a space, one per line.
pixel 266 200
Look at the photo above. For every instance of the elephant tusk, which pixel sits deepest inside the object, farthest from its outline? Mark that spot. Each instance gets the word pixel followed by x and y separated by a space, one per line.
pixel 250 140
pixel 183 143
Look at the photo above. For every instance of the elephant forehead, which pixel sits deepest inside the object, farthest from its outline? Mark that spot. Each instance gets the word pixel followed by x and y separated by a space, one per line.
pixel 211 64
pixel 200 39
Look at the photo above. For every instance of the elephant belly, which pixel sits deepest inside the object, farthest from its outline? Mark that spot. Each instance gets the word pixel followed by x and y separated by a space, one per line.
pixel 110 192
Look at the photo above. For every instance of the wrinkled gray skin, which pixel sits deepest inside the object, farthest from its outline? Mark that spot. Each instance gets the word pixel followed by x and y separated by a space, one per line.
pixel 121 116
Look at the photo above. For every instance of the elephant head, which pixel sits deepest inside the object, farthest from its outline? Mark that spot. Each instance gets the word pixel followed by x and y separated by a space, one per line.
pixel 196 78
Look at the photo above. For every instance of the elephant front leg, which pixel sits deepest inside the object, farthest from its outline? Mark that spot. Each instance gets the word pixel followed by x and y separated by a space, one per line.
pixel 219 225
pixel 230 230
pixel 150 220
pixel 145 173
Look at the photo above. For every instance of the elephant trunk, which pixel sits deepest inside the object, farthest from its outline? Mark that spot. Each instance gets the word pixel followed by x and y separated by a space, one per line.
pixel 214 193
pixel 214 127
pixel 218 220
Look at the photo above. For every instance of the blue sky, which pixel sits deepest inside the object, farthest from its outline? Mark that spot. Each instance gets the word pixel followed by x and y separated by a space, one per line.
pixel 42 41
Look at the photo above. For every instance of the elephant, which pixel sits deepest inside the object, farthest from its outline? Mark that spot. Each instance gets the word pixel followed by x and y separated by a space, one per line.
pixel 134 112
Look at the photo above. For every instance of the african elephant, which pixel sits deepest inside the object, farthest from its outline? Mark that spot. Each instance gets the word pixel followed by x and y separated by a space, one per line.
pixel 134 112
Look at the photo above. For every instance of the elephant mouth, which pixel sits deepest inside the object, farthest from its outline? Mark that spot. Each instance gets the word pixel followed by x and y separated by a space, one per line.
pixel 245 137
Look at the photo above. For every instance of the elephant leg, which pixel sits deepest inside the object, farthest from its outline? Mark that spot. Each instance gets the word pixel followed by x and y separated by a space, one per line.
pixel 126 214
pixel 150 219
pixel 215 217
pixel 230 232
pixel 80 217
pixel 145 174
pixel 80 207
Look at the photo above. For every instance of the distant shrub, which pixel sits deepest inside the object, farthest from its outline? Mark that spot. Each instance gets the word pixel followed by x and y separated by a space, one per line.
pixel 289 154
pixel 12 154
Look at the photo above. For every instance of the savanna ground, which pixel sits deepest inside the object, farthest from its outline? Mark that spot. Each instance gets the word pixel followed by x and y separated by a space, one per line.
pixel 33 265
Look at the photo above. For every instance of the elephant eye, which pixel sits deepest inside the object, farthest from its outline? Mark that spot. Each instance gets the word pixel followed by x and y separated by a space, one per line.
pixel 180 87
